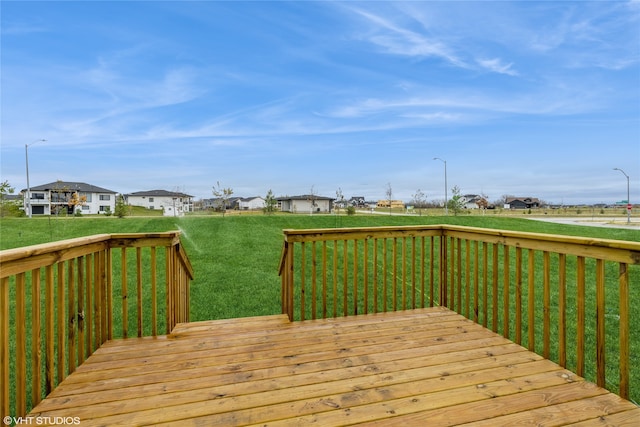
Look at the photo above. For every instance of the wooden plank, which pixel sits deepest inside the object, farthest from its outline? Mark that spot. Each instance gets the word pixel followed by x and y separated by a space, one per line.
pixel 564 413
pixel 467 410
pixel 630 418
pixel 292 347
pixel 299 398
pixel 398 368
pixel 263 375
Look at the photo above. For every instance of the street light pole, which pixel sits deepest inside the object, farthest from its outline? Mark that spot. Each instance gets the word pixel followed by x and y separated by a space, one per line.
pixel 26 156
pixel 446 202
pixel 628 199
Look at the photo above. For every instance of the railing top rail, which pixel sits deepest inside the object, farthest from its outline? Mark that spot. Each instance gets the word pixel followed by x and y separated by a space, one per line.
pixel 302 235
pixel 45 248
pixel 618 250
pixel 12 260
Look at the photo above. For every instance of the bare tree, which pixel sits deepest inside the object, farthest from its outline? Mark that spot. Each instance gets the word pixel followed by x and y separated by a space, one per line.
pixel 389 193
pixel 223 195
pixel 419 200
pixel 339 200
pixel 312 197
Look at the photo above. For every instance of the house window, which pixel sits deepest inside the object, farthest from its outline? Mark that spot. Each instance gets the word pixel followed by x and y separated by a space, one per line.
pixel 38 196
pixel 105 208
pixel 105 197
pixel 85 207
pixel 151 207
pixel 151 200
pixel 87 195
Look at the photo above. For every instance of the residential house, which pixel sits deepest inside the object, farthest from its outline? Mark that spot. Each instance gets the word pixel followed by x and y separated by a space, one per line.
pixel 390 204
pixel 521 203
pixel 307 203
pixel 474 201
pixel 251 203
pixel 171 203
pixel 68 197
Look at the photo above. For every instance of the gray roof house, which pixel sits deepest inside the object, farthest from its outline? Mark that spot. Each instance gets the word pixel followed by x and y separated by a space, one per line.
pixel 307 203
pixel 59 196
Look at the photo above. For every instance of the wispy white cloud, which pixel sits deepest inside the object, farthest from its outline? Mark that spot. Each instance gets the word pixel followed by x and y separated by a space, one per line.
pixel 396 40
pixel 496 65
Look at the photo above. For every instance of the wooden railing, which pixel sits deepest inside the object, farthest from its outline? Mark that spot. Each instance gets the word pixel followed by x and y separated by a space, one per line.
pixel 59 302
pixel 566 298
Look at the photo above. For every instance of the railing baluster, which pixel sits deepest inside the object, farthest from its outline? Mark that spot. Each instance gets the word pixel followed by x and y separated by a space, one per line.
pixel 600 325
pixel 531 299
pixel 485 284
pixel 580 343
pixel 21 345
pixel 5 397
pixel 476 277
pixel 355 277
pixel 494 286
pixel 125 292
pixel 324 279
pixel 154 292
pixel 36 337
pixel 314 290
pixel 365 274
pixel 60 323
pixel 79 313
pixel 394 282
pixel 335 278
pixel 88 312
pixel 505 291
pixel 345 280
pixel 562 306
pixel 139 290
pixel 403 254
pixel 624 329
pixel 71 317
pixel 303 276
pixel 384 275
pixel 49 313
pixel 375 275
pixel 467 276
pixel 546 303
pixel 518 296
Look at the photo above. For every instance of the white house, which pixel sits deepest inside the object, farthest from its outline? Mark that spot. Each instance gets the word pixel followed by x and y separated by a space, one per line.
pixel 251 203
pixel 67 197
pixel 306 204
pixel 171 203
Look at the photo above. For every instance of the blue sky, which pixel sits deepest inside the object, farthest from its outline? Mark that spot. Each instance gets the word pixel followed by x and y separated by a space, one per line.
pixel 536 99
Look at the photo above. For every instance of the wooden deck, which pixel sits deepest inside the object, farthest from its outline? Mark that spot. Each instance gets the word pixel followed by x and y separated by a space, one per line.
pixel 420 367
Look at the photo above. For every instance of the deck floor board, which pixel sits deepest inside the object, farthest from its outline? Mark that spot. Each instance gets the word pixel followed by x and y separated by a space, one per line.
pixel 400 368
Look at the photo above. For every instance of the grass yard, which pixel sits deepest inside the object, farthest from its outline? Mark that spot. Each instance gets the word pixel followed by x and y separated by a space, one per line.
pixel 236 257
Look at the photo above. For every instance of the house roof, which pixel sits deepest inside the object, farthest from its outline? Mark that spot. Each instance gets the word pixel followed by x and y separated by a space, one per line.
pixel 522 199
pixel 157 193
pixel 305 197
pixel 71 186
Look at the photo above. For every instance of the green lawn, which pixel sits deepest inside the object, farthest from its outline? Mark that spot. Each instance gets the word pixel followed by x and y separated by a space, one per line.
pixel 236 257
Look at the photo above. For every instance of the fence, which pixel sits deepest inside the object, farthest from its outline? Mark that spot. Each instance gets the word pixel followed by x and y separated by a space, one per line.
pixel 59 302
pixel 566 298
